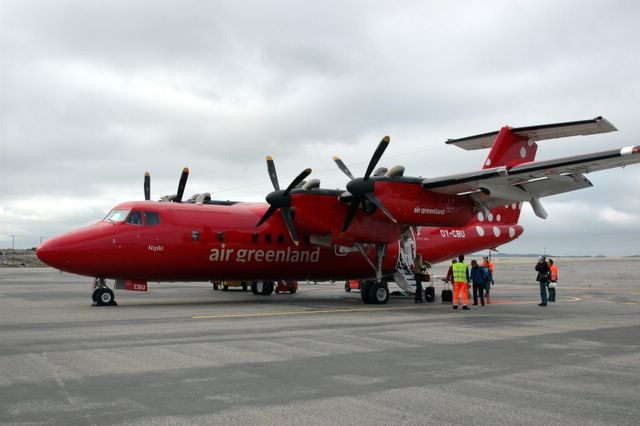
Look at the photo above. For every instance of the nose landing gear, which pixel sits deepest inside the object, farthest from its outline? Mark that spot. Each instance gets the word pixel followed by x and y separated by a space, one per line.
pixel 102 295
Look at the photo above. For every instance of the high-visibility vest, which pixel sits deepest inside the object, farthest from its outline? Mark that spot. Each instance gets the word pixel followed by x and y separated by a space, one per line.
pixel 459 272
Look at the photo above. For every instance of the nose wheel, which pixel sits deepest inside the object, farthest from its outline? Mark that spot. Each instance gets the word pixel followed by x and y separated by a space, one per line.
pixel 102 295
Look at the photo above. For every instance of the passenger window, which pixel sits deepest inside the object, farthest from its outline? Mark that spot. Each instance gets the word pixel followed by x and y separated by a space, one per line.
pixel 135 218
pixel 221 237
pixel 280 238
pixel 152 218
pixel 267 238
pixel 254 237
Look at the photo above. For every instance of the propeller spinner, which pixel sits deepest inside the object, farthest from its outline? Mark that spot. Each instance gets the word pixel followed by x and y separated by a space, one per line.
pixel 281 199
pixel 363 188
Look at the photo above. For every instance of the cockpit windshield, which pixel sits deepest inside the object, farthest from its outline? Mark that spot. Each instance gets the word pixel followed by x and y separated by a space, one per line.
pixel 117 215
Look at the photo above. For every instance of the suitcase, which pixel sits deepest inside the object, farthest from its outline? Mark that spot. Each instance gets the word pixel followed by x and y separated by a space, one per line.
pixel 447 294
pixel 430 294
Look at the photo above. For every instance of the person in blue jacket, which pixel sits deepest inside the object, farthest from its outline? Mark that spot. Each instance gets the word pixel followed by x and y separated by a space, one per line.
pixel 479 277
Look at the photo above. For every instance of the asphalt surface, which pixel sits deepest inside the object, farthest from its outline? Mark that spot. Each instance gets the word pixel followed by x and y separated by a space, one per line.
pixel 185 354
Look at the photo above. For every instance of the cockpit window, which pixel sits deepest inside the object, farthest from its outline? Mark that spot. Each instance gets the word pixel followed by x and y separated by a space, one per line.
pixel 152 218
pixel 117 215
pixel 135 218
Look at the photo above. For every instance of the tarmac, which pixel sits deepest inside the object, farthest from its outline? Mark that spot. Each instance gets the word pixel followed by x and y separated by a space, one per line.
pixel 186 354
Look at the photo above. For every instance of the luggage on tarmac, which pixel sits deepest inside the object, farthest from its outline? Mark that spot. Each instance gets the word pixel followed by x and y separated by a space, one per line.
pixel 430 294
pixel 447 294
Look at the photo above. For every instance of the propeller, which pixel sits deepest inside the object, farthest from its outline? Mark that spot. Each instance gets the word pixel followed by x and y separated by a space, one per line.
pixel 363 188
pixel 147 186
pixel 175 198
pixel 281 199
pixel 181 185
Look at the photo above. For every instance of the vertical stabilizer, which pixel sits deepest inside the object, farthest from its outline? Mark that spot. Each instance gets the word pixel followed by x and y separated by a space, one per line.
pixel 510 149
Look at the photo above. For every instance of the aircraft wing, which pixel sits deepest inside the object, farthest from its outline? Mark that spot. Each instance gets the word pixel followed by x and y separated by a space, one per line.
pixel 531 181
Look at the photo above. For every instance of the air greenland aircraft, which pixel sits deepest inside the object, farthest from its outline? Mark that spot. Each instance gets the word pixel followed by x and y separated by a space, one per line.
pixel 370 231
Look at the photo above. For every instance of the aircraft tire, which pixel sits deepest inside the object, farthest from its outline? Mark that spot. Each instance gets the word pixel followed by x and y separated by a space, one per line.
pixel 244 286
pixel 365 286
pixel 379 293
pixel 105 297
pixel 347 287
pixel 267 288
pixel 292 291
pixel 254 288
pixel 225 287
pixel 94 296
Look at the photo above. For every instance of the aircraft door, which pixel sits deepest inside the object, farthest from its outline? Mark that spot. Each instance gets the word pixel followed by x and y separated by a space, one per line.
pixel 407 253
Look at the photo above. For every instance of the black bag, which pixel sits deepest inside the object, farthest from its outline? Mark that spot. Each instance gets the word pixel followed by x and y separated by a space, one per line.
pixel 430 294
pixel 447 296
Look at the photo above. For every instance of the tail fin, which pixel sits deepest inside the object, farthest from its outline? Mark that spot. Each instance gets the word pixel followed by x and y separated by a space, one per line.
pixel 510 149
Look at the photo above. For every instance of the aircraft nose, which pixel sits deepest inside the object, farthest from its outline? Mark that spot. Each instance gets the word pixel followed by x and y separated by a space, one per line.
pixel 51 254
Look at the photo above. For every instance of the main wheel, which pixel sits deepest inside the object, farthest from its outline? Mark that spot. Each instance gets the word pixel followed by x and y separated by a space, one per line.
pixel 244 286
pixel 254 288
pixel 225 287
pixel 347 287
pixel 365 286
pixel 267 288
pixel 94 296
pixel 104 297
pixel 379 293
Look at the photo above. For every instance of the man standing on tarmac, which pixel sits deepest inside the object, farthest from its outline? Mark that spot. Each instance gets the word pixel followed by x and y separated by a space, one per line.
pixel 487 265
pixel 460 283
pixel 543 278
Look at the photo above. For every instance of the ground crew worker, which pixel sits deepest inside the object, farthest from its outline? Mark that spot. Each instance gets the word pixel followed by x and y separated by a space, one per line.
pixel 554 279
pixel 543 278
pixel 460 283
pixel 418 266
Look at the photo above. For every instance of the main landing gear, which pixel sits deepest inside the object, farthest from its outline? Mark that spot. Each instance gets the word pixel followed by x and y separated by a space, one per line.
pixel 102 295
pixel 374 292
pixel 263 288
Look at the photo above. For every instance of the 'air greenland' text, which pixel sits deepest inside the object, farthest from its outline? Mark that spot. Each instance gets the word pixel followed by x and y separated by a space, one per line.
pixel 287 255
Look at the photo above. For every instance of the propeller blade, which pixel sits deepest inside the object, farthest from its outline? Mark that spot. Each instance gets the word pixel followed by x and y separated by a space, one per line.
pixel 352 211
pixel 342 167
pixel 373 199
pixel 271 168
pixel 376 156
pixel 147 186
pixel 267 215
pixel 181 185
pixel 297 180
pixel 287 215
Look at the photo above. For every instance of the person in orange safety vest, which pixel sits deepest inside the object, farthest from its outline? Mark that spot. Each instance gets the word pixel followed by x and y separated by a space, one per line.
pixel 554 279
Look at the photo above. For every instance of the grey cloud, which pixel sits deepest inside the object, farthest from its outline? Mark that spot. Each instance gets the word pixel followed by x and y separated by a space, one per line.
pixel 94 94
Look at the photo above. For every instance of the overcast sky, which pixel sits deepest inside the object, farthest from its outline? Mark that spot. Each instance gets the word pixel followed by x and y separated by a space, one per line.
pixel 95 93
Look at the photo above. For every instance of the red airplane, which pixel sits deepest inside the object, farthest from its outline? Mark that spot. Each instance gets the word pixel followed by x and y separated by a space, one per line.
pixel 371 230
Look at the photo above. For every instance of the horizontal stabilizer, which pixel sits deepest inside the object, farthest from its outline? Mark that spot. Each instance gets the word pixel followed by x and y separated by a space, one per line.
pixel 524 182
pixel 538 133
